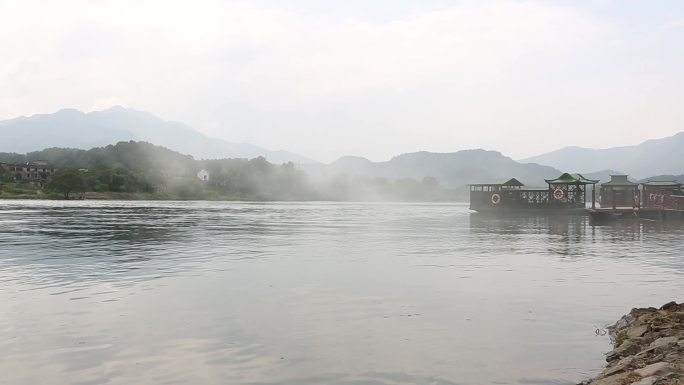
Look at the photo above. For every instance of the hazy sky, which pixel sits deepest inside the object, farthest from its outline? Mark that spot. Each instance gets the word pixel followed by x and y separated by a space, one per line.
pixel 360 77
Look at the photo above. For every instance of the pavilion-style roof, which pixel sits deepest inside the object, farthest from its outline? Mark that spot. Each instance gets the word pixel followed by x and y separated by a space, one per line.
pixel 567 178
pixel 513 183
pixel 662 183
pixel 619 181
pixel 509 183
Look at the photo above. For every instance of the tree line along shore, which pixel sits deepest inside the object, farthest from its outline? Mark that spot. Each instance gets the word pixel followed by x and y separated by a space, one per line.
pixel 140 170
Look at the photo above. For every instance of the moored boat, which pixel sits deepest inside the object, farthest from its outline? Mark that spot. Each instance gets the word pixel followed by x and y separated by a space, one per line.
pixel 565 194
pixel 650 200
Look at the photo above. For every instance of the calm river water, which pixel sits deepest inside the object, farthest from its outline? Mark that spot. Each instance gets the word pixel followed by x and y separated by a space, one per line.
pixel 316 293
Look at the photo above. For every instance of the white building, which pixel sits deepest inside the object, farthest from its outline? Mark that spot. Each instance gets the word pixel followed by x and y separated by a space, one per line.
pixel 203 175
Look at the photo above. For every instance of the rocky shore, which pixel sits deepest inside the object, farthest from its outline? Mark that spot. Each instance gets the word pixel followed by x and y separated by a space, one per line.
pixel 649 348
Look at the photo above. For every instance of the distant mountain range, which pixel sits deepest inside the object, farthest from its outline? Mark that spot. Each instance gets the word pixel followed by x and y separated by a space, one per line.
pixel 653 157
pixel 70 128
pixel 452 170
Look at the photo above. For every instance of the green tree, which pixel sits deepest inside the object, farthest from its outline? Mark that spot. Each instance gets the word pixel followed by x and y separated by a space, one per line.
pixel 68 180
pixel 5 177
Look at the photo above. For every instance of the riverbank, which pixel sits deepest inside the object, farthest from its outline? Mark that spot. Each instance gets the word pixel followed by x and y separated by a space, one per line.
pixel 649 348
pixel 42 195
pixel 38 194
pixel 27 193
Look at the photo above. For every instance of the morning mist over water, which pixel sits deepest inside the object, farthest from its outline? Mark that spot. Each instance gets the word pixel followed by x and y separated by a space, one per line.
pixel 263 192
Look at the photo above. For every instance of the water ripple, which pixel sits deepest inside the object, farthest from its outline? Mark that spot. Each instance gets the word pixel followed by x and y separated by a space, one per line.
pixel 297 293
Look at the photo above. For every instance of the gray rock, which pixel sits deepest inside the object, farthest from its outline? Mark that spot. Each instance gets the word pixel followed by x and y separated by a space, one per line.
pixel 637 331
pixel 627 348
pixel 670 379
pixel 618 379
pixel 618 367
pixel 672 357
pixel 663 341
pixel 653 369
pixel 612 356
pixel 646 381
pixel 623 322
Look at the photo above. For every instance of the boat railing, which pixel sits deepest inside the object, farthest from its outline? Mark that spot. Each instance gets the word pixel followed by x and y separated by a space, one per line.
pixel 534 197
pixel 665 201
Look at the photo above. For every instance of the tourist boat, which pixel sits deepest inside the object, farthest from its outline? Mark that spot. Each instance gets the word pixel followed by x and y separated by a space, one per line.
pixel 565 194
pixel 650 200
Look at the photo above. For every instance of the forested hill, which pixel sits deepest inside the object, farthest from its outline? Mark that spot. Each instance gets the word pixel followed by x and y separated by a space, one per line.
pixel 134 156
pixel 143 167
pixel 140 167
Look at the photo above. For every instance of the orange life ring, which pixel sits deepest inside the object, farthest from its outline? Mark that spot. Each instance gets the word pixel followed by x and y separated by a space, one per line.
pixel 496 199
pixel 558 193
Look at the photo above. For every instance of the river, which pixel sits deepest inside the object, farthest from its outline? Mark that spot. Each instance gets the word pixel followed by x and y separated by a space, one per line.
pixel 112 292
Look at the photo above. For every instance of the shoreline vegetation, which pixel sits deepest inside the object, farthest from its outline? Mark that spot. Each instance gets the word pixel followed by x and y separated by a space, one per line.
pixel 649 348
pixel 143 171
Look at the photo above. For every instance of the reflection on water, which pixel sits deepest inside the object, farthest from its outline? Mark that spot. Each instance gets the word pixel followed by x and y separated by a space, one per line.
pixel 316 293
pixel 575 236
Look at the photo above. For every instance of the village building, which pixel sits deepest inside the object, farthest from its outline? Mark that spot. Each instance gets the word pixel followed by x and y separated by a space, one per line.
pixel 203 175
pixel 38 172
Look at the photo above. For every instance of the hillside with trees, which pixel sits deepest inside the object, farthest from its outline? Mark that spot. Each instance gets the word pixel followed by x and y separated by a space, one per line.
pixel 140 170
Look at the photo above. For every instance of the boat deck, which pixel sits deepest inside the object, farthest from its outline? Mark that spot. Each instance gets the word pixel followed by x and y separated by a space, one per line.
pixel 610 213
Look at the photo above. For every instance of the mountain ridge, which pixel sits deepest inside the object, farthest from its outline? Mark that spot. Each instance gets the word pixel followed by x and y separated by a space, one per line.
pixel 452 169
pixel 650 157
pixel 69 127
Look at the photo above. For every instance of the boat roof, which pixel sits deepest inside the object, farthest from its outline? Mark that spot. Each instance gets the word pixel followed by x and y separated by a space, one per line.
pixel 619 180
pixel 511 183
pixel 662 183
pixel 567 178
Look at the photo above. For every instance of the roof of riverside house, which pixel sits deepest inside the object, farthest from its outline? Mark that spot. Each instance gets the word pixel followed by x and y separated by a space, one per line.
pixel 39 163
pixel 509 183
pixel 619 181
pixel 567 178
pixel 2 164
pixel 662 183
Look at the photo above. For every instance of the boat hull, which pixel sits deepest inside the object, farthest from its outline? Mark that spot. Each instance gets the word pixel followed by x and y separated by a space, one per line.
pixel 530 211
